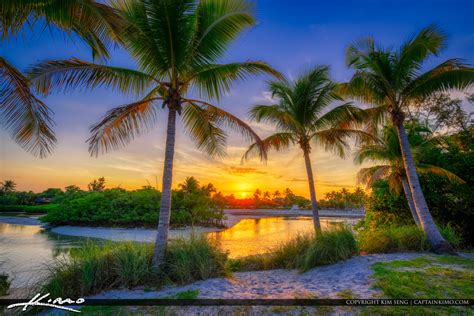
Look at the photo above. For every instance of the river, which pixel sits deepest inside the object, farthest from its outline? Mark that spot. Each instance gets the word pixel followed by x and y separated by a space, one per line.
pixel 25 250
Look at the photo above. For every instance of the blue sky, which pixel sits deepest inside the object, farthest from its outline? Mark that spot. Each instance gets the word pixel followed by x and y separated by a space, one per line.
pixel 290 35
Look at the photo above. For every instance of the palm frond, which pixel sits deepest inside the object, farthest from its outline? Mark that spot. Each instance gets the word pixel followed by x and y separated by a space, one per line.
pixel 95 23
pixel 26 117
pixel 429 41
pixel 369 176
pixel 211 80
pixel 202 128
pixel 336 139
pixel 121 125
pixel 227 120
pixel 424 169
pixel 219 23
pixel 342 115
pixel 68 74
pixel 277 141
pixel 452 74
pixel 276 115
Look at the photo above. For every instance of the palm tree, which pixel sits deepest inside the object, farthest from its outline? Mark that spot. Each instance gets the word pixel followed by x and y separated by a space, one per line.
pixel 176 44
pixel 390 80
pixel 26 117
pixel 387 151
pixel 300 120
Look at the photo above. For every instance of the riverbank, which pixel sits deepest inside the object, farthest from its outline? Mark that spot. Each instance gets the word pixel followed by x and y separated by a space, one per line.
pixel 233 217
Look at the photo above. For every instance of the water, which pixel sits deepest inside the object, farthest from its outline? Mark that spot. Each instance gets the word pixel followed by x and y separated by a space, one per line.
pixel 26 249
pixel 256 236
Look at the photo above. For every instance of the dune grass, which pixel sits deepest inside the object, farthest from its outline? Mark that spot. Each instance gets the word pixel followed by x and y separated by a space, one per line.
pixel 95 267
pixel 303 252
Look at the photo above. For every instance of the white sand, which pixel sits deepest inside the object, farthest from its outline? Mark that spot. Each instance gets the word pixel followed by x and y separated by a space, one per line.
pixel 322 282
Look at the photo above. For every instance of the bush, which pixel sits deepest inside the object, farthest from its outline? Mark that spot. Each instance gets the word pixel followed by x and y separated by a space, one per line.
pixel 118 207
pixel 401 238
pixel 4 284
pixel 96 267
pixel 303 252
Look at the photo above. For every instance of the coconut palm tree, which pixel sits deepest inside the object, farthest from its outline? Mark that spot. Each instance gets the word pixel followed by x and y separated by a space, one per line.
pixel 26 117
pixel 390 80
pixel 176 44
pixel 303 117
pixel 387 151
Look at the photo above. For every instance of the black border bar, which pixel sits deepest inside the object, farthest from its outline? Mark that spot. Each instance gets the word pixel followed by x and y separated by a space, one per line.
pixel 262 302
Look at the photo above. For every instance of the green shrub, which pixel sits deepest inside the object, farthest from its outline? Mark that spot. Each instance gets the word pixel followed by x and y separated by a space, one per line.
pixel 118 207
pixel 303 252
pixel 4 284
pixel 96 267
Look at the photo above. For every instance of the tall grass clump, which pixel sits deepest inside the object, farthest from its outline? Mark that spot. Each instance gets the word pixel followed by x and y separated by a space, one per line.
pixel 386 239
pixel 197 258
pixel 330 247
pixel 95 267
pixel 4 284
pixel 303 252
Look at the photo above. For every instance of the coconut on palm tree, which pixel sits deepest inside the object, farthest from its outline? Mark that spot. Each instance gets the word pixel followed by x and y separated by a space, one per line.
pixel 25 116
pixel 386 150
pixel 303 116
pixel 177 45
pixel 390 80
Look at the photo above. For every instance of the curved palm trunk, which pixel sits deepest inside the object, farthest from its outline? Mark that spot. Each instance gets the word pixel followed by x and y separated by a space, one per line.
pixel 411 204
pixel 439 244
pixel 314 205
pixel 165 210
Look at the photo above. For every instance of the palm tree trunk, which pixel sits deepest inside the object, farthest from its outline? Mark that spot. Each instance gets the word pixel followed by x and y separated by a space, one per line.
pixel 165 209
pixel 411 204
pixel 439 244
pixel 314 205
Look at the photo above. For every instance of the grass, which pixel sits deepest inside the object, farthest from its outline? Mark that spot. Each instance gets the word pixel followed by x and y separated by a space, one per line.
pixel 303 252
pixel 440 277
pixel 93 267
pixel 401 238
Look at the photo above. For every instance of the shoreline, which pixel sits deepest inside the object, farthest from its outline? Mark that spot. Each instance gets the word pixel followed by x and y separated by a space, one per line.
pixel 141 234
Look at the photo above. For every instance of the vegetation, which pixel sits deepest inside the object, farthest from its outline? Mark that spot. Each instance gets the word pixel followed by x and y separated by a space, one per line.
pixel 4 284
pixel 28 119
pixel 390 80
pixel 96 267
pixel 388 239
pixel 387 151
pixel 304 252
pixel 177 44
pixel 302 117
pixel 343 199
pixel 445 277
pixel 118 207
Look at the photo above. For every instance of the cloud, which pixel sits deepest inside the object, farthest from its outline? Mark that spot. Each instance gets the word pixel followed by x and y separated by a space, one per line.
pixel 265 97
pixel 243 170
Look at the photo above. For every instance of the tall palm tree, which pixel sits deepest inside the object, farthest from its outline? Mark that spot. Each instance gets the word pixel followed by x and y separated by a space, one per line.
pixel 26 117
pixel 176 44
pixel 303 116
pixel 387 151
pixel 390 80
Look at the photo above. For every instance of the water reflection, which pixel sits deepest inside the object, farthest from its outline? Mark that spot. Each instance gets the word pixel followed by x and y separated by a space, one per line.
pixel 26 249
pixel 256 236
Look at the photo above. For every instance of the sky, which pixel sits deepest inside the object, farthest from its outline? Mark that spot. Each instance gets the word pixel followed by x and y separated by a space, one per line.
pixel 290 35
